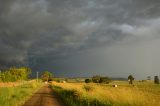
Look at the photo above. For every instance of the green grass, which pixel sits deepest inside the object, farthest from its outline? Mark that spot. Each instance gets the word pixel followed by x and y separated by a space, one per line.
pixel 15 96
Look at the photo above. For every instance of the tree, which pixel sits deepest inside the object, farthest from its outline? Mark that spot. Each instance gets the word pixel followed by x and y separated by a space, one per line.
pixel 96 79
pixel 46 76
pixel 156 80
pixel 21 73
pixel 130 79
pixel 106 80
pixel 14 74
pixel 100 79
pixel 87 80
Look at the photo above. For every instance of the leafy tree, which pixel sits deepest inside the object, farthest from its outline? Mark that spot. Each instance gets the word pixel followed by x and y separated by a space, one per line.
pixel 15 74
pixel 106 80
pixel 21 73
pixel 130 79
pixel 46 76
pixel 96 79
pixel 156 80
pixel 99 79
pixel 87 80
pixel 8 77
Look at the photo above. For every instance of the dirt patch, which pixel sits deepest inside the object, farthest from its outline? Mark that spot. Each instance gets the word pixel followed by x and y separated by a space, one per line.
pixel 45 97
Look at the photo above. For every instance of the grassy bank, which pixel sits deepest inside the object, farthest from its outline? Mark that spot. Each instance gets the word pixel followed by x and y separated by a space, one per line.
pixel 15 96
pixel 80 94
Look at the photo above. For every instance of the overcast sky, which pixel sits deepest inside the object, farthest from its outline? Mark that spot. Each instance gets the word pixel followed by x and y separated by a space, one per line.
pixel 82 37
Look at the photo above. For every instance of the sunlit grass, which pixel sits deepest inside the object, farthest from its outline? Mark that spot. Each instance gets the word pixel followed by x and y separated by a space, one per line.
pixel 15 96
pixel 142 94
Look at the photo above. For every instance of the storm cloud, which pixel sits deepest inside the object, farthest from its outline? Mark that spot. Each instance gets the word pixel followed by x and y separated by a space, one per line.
pixel 81 38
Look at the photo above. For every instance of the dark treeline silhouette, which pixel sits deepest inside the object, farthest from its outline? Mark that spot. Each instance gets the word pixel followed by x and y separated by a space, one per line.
pixel 130 79
pixel 98 79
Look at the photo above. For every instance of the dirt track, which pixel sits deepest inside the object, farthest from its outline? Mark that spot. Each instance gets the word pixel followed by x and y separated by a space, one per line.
pixel 44 97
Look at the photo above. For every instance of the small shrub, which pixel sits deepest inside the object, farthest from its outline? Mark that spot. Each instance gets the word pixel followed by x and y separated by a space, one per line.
pixel 87 80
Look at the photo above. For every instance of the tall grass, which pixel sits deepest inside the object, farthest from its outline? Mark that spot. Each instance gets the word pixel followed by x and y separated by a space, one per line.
pixel 15 96
pixel 102 95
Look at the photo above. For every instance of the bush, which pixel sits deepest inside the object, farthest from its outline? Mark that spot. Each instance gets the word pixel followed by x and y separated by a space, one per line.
pixel 105 80
pixel 87 80
pixel 96 79
pixel 99 79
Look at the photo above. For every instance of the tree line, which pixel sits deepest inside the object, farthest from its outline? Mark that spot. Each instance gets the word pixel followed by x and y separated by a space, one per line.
pixel 107 80
pixel 15 74
pixel 98 79
pixel 21 73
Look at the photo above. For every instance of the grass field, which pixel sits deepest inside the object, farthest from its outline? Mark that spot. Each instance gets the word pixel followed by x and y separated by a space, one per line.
pixel 15 96
pixel 81 94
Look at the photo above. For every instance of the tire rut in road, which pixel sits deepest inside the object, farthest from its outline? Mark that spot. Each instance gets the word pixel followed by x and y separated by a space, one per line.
pixel 44 97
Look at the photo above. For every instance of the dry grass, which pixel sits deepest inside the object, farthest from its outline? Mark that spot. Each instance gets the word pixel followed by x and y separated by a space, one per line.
pixel 13 84
pixel 141 95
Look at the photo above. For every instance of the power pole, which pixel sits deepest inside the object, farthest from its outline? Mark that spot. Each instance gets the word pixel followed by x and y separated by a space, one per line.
pixel 37 76
pixel 0 75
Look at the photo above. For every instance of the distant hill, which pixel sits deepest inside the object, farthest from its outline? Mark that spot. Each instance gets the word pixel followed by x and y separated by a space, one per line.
pixel 121 79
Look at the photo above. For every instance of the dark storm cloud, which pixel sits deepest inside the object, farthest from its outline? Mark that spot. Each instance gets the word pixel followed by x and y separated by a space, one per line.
pixel 5 5
pixel 40 33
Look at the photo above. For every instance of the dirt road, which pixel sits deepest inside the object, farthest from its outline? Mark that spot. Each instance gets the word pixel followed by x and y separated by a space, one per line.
pixel 44 97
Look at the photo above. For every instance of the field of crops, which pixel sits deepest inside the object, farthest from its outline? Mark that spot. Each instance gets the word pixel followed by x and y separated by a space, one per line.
pixel 81 94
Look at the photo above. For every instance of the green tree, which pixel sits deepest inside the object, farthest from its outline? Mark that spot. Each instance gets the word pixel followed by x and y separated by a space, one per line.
pixel 14 74
pixel 96 79
pixel 87 80
pixel 21 73
pixel 100 79
pixel 8 77
pixel 106 80
pixel 156 80
pixel 130 79
pixel 46 76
